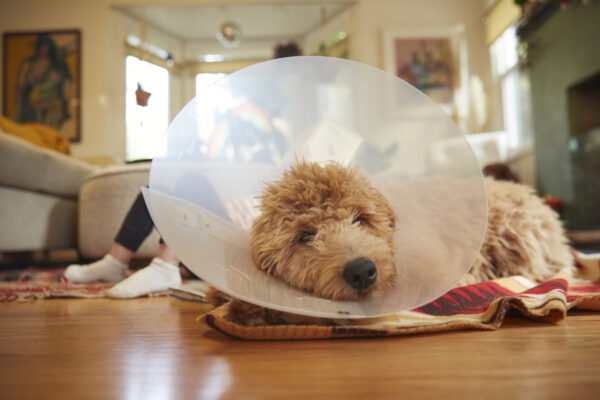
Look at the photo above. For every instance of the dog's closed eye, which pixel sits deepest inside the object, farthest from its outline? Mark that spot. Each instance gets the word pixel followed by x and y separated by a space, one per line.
pixel 306 237
pixel 358 220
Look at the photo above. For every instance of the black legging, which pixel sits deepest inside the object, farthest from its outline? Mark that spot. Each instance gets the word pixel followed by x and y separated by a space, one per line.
pixel 137 225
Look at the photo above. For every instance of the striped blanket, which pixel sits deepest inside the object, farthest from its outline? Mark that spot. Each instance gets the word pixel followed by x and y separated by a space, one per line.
pixel 479 306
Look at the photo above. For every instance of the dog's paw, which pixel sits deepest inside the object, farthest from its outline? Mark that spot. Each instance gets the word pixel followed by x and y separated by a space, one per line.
pixel 246 314
pixel 216 297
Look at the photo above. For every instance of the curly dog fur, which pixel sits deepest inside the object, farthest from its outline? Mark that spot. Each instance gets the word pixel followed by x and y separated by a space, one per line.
pixel 524 237
pixel 316 219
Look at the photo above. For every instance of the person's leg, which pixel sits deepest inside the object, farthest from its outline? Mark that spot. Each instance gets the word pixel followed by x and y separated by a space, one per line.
pixel 121 253
pixel 159 275
pixel 136 226
pixel 166 254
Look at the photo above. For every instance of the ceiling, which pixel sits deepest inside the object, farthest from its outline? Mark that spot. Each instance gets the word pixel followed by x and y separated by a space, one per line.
pixel 257 21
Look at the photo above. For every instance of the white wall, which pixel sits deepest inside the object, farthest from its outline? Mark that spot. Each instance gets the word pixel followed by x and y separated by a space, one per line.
pixel 103 33
pixel 93 19
pixel 104 30
pixel 326 32
pixel 371 18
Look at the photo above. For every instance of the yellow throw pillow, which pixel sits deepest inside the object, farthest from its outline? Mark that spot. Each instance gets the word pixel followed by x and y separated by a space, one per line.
pixel 38 134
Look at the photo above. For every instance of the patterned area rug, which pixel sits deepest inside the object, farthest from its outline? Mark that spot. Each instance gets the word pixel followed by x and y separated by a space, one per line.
pixel 481 306
pixel 35 283
pixel 41 283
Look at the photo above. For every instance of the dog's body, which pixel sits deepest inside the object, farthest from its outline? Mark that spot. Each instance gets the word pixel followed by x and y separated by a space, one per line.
pixel 328 231
pixel 524 237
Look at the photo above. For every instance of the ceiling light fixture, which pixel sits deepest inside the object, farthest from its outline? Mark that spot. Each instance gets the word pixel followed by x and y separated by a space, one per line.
pixel 229 34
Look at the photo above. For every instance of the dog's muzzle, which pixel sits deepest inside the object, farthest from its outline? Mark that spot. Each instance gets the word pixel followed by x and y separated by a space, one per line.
pixel 360 273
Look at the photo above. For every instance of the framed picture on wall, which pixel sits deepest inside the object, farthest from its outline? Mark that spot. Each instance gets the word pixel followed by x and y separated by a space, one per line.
pixel 426 64
pixel 430 60
pixel 42 79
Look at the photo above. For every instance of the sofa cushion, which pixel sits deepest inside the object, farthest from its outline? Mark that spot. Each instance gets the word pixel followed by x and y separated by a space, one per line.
pixel 28 167
pixel 33 221
pixel 104 201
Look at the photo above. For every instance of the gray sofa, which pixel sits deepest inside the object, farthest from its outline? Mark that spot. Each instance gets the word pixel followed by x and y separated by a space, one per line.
pixel 39 189
pixel 51 201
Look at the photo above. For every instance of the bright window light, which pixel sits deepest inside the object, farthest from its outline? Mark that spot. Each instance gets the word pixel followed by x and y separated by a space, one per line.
pixel 515 88
pixel 212 58
pixel 504 51
pixel 133 40
pixel 145 125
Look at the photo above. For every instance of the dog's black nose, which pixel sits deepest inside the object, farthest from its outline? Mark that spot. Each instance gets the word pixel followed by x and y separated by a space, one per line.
pixel 360 273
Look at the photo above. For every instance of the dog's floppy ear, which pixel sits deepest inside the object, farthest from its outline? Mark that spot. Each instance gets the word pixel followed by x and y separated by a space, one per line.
pixel 387 210
pixel 264 260
pixel 267 258
pixel 392 216
pixel 384 207
pixel 266 246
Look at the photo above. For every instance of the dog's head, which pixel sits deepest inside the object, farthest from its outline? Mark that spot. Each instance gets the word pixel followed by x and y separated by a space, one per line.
pixel 325 230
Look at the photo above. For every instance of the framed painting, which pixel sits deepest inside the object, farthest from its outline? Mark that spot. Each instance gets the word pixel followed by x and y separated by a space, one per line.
pixel 429 60
pixel 426 64
pixel 42 79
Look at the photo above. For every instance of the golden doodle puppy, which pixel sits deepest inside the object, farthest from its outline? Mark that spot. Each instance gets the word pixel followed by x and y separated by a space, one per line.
pixel 328 231
pixel 325 230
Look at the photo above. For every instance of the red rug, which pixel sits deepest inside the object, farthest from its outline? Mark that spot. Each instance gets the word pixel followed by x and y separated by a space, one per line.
pixel 41 283
pixel 480 306
pixel 34 283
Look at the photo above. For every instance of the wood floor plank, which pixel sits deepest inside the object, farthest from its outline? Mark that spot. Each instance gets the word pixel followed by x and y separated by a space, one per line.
pixel 154 349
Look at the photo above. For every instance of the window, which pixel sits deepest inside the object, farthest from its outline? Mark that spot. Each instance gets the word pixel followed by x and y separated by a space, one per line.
pixel 145 125
pixel 515 88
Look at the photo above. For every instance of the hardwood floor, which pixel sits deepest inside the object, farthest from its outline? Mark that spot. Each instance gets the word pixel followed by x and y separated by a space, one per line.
pixel 154 349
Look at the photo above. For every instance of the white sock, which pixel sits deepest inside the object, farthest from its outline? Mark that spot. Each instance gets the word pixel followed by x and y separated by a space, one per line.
pixel 108 269
pixel 157 276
